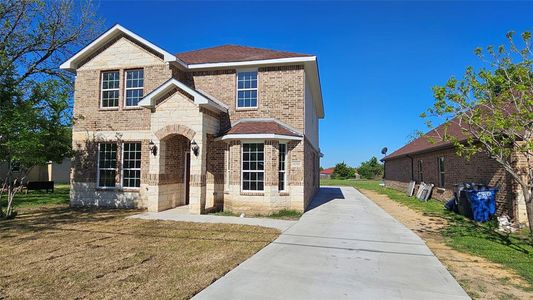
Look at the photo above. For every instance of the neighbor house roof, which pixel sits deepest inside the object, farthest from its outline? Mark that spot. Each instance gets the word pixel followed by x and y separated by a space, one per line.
pixel 233 53
pixel 261 129
pixel 327 171
pixel 431 140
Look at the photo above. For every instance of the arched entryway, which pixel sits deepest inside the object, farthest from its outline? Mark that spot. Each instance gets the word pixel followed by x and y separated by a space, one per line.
pixel 174 172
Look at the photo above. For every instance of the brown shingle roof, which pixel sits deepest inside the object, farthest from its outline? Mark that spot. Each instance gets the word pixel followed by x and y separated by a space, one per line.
pixel 431 140
pixel 261 127
pixel 232 53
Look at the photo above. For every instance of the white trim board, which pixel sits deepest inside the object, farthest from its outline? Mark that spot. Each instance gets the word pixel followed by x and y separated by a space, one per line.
pixel 72 63
pixel 260 136
pixel 199 99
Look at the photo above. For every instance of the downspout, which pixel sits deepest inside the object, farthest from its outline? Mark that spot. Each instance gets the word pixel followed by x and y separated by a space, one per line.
pixel 412 167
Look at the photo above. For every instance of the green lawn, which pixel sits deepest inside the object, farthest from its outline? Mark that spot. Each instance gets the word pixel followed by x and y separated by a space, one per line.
pixel 284 214
pixel 41 198
pixel 514 251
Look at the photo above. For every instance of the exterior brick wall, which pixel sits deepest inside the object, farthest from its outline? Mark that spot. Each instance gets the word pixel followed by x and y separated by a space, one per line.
pixel 281 93
pixel 311 172
pixel 480 169
pixel 174 122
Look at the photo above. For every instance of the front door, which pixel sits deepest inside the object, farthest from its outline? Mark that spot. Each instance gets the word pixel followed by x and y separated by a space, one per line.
pixel 187 176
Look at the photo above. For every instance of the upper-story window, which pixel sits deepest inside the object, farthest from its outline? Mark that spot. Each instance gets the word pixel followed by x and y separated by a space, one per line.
pixel 247 89
pixel 110 89
pixel 134 87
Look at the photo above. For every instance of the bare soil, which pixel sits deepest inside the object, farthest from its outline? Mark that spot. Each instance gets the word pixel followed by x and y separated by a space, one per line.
pixel 59 253
pixel 480 278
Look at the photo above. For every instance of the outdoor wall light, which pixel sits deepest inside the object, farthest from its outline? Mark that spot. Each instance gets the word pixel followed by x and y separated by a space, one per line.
pixel 153 148
pixel 195 148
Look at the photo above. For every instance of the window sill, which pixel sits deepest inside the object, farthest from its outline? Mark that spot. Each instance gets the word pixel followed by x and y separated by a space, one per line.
pixel 245 108
pixel 252 193
pixel 109 108
pixel 132 108
pixel 284 193
pixel 117 189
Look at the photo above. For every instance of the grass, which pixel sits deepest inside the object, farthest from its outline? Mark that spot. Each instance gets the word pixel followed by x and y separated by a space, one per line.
pixel 41 198
pixel 54 252
pixel 514 251
pixel 284 214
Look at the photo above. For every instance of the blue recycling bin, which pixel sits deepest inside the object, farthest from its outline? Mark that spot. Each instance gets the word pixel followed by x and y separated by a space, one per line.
pixel 482 203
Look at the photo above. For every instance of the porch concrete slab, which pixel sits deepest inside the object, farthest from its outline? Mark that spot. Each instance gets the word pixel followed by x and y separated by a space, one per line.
pixel 181 214
pixel 345 247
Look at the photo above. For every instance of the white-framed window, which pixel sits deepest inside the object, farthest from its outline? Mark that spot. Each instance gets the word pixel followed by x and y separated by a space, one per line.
pixel 440 163
pixel 253 167
pixel 228 168
pixel 134 87
pixel 107 164
pixel 420 171
pixel 247 89
pixel 131 165
pixel 282 167
pixel 110 89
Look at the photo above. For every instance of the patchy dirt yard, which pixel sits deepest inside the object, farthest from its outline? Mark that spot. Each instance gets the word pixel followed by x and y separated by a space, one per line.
pixel 480 278
pixel 58 253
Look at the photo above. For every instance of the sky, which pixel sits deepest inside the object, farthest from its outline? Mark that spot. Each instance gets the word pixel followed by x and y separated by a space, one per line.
pixel 378 61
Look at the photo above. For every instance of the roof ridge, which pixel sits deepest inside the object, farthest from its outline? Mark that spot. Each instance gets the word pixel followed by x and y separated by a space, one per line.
pixel 242 46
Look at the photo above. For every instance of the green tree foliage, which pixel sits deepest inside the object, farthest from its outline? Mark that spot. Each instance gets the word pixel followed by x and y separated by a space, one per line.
pixel 342 170
pixel 494 108
pixel 35 115
pixel 371 169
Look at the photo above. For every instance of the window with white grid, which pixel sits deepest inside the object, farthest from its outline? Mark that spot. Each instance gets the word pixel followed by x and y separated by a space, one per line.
pixel 131 165
pixel 282 167
pixel 134 87
pixel 253 167
pixel 107 164
pixel 247 89
pixel 110 89
pixel 228 168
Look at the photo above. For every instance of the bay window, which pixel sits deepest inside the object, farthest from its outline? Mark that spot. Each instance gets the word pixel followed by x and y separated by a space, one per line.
pixel 253 167
pixel 282 167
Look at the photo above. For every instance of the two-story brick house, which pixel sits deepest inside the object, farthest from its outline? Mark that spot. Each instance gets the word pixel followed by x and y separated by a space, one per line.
pixel 227 127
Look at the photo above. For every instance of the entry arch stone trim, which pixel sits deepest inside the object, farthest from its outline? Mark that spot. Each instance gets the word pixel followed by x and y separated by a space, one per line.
pixel 175 129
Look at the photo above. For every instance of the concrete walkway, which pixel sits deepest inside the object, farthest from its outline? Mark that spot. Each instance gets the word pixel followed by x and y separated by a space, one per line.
pixel 345 247
pixel 182 214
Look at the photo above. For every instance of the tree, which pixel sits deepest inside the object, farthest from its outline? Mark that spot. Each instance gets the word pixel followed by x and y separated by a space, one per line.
pixel 35 37
pixel 371 168
pixel 494 108
pixel 342 170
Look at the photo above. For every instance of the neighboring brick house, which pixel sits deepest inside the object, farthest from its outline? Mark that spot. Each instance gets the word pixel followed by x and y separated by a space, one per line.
pixel 429 159
pixel 227 127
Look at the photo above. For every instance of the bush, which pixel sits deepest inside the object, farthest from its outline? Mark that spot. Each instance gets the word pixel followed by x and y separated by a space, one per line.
pixel 343 171
pixel 371 169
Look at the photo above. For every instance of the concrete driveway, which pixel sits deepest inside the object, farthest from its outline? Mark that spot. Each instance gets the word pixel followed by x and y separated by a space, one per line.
pixel 344 247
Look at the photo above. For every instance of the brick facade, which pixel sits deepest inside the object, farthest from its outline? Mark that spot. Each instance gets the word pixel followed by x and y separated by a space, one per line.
pixel 480 169
pixel 174 123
